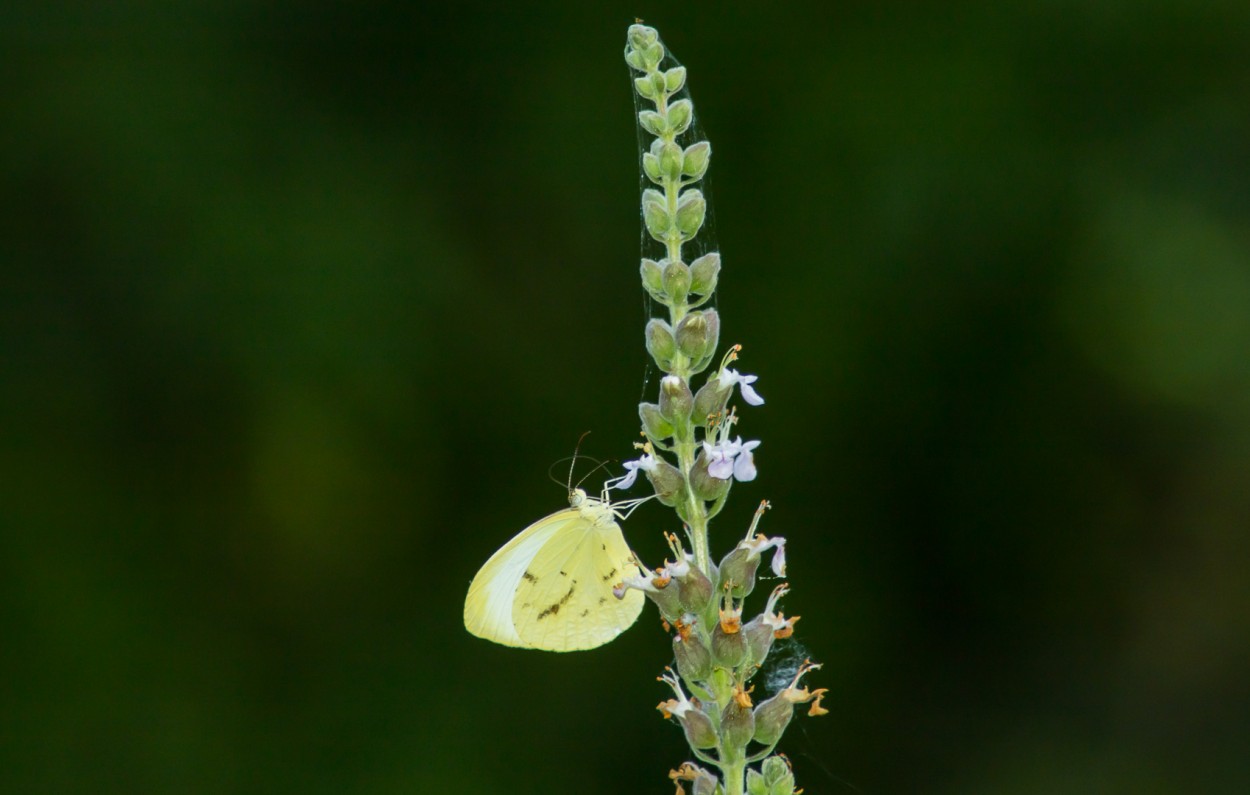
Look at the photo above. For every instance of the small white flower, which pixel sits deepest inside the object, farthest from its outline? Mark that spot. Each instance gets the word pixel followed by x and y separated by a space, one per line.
pixel 720 458
pixel 729 377
pixel 744 463
pixel 647 464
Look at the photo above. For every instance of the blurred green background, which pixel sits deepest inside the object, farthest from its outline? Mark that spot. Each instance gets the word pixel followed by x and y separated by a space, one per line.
pixel 301 300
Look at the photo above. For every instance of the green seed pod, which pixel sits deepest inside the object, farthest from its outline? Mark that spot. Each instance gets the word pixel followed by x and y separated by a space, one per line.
pixel 695 159
pixel 700 732
pixel 676 400
pixel 669 485
pixel 677 281
pixel 680 114
pixel 653 279
pixel 691 650
pixel 704 486
pixel 691 208
pixel 704 273
pixel 737 571
pixel 695 587
pixel 737 721
pixel 728 643
pixel 660 343
pixel 711 399
pixel 771 719
pixel 665 598
pixel 760 637
pixel 653 423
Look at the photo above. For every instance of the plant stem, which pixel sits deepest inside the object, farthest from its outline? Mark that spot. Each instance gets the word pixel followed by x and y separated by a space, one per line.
pixel 733 774
pixel 685 445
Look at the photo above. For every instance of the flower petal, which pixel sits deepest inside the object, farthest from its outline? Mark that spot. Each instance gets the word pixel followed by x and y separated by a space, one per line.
pixel 744 466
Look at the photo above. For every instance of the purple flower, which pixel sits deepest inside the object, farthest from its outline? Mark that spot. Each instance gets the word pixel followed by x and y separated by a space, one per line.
pixel 728 459
pixel 744 463
pixel 730 377
pixel 647 464
pixel 720 458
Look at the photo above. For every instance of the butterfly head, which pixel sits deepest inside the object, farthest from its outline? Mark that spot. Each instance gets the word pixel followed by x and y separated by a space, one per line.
pixel 577 498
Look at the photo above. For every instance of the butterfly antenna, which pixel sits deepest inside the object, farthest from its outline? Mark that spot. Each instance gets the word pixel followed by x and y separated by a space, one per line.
pixel 576 450
pixel 602 464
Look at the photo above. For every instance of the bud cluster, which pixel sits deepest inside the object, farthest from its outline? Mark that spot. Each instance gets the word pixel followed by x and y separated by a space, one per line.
pixel 691 456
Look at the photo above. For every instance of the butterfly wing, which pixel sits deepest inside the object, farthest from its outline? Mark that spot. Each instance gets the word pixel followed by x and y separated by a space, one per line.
pixel 488 607
pixel 564 599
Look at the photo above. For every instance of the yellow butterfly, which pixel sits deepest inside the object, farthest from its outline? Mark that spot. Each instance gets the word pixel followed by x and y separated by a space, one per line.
pixel 550 587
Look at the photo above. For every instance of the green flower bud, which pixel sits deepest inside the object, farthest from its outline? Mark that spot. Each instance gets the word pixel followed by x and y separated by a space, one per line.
pixel 711 399
pixel 695 159
pixel 755 783
pixel 674 79
pixel 658 84
pixel 691 208
pixel 651 167
pixel 691 650
pixel 677 282
pixel 679 116
pixel 676 400
pixel 713 340
pixel 704 486
pixel 660 343
pixel 692 334
pixel 775 769
pixel 653 423
pixel 651 57
pixel 669 485
pixel 737 571
pixel 645 86
pixel 737 722
pixel 653 122
pixel 778 776
pixel 640 37
pixel 655 214
pixel 653 279
pixel 704 273
pixel 771 719
pixel 634 59
pixel 671 161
